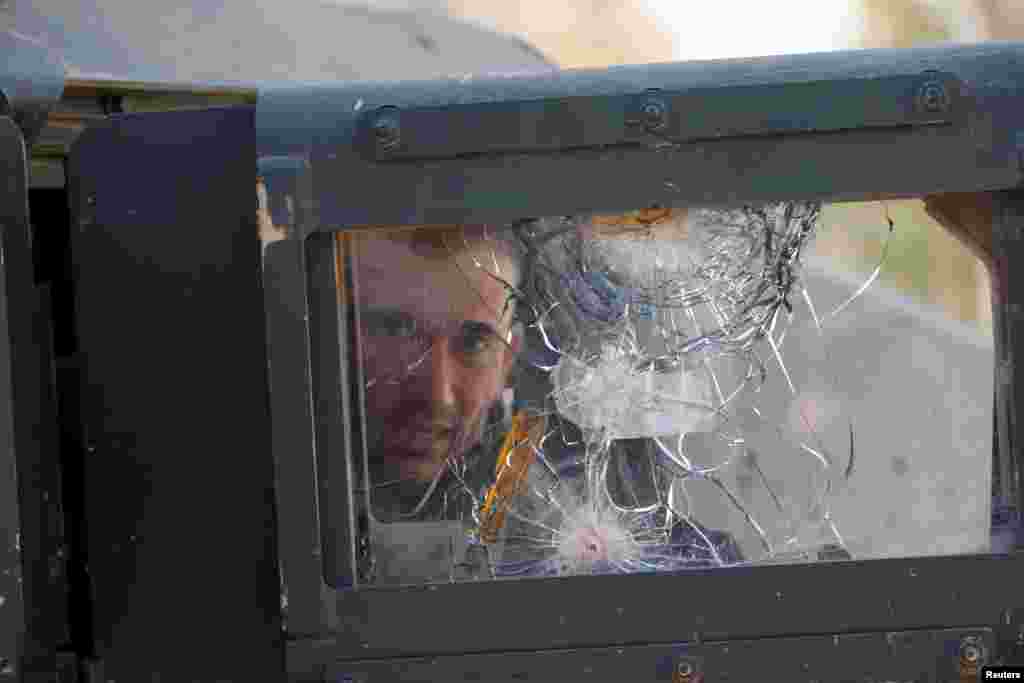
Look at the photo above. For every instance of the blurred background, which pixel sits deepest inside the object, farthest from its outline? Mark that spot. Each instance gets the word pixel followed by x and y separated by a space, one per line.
pixel 923 261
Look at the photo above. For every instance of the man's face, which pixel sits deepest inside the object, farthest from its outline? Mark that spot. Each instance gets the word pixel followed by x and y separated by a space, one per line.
pixel 437 348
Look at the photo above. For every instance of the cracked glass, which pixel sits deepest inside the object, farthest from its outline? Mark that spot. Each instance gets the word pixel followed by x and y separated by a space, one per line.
pixel 656 391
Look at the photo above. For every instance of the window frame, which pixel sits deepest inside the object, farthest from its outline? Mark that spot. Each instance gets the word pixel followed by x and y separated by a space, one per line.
pixel 348 180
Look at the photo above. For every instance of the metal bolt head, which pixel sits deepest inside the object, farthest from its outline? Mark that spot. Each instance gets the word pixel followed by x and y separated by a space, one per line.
pixel 386 129
pixel 933 98
pixel 972 652
pixel 686 672
pixel 655 115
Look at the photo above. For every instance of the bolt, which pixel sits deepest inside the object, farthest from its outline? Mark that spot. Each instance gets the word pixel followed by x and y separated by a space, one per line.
pixel 654 115
pixel 972 652
pixel 386 129
pixel 933 98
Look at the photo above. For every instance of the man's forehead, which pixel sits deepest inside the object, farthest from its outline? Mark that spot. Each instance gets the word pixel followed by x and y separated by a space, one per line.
pixel 433 245
pixel 466 282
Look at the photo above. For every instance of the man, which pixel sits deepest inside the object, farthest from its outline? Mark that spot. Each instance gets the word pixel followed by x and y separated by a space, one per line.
pixel 438 343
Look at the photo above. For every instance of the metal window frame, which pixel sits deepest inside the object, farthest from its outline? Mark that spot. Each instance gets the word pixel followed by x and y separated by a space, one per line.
pixel 34 621
pixel 378 154
pixel 34 614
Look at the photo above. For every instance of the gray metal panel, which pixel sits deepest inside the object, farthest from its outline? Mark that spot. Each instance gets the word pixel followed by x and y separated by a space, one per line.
pixel 720 604
pixel 928 655
pixel 701 113
pixel 12 616
pixel 34 578
pixel 1008 321
pixel 179 480
pixel 977 151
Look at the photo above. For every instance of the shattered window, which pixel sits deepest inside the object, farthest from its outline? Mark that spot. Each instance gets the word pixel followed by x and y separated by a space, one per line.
pixel 657 391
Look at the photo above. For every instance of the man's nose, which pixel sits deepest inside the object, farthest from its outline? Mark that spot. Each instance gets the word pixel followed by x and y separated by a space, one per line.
pixel 442 373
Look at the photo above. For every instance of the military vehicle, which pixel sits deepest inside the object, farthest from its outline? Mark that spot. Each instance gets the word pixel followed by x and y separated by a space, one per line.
pixel 184 423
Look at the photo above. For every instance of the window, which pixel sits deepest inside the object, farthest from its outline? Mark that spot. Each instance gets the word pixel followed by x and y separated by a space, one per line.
pixel 551 333
pixel 655 391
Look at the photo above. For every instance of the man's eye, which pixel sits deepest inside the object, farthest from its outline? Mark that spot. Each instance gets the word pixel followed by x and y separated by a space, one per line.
pixel 389 324
pixel 475 338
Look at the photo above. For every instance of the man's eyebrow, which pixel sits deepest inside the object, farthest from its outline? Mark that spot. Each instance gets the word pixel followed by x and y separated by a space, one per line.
pixel 377 312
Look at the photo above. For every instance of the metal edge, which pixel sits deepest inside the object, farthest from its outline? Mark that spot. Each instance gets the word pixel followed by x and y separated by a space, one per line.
pixel 30 84
pixel 83 86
